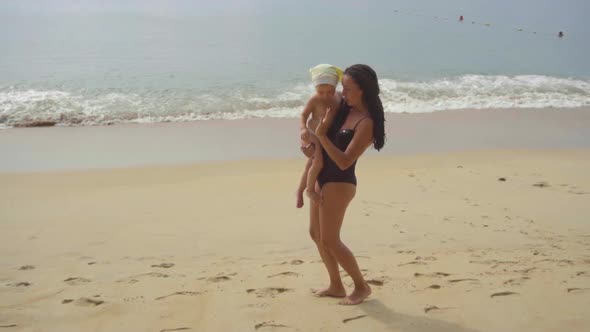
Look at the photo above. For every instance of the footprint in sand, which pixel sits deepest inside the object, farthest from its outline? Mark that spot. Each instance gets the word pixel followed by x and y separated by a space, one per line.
pixel 293 262
pixel 493 262
pixel 218 279
pixel 526 270
pixel 133 279
pixel 270 324
pixel 503 294
pixel 178 293
pixel 268 291
pixel 77 281
pixel 515 281
pixel 413 263
pixel 541 184
pixel 376 282
pixel 433 275
pixel 87 302
pixel 537 253
pixel 582 274
pixel 346 320
pixel 559 262
pixel 26 267
pixel 221 277
pixel 288 274
pixel 577 290
pixel 462 280
pixel 429 287
pixel 429 308
pixel 578 192
pixel 425 258
pixel 164 265
pixel 20 284
pixel 133 299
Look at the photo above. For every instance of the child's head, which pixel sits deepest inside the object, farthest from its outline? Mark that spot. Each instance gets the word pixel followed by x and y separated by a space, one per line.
pixel 325 78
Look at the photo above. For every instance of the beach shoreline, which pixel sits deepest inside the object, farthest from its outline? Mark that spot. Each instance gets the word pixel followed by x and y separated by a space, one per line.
pixel 134 145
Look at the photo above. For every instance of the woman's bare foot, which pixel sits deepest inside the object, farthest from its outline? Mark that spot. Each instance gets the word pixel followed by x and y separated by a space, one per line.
pixel 357 296
pixel 330 292
pixel 299 199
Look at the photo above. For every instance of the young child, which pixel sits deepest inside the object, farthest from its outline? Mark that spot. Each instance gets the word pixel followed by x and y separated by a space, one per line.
pixel 325 79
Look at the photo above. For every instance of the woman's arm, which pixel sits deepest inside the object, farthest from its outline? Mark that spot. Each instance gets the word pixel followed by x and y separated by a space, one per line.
pixel 362 139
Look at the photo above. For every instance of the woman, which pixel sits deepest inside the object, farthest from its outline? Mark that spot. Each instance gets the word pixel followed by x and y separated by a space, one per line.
pixel 344 135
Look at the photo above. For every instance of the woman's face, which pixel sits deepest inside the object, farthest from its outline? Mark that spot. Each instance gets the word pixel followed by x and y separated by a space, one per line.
pixel 352 93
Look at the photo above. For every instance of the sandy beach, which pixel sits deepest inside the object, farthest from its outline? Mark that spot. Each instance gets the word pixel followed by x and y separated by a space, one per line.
pixel 468 221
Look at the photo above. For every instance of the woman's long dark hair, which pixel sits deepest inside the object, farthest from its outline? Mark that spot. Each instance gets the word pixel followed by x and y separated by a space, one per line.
pixel 366 78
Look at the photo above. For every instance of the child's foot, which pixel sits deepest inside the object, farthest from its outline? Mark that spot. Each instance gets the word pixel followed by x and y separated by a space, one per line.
pixel 299 199
pixel 313 195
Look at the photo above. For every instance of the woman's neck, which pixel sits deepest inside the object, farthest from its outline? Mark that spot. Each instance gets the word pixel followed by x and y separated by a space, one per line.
pixel 361 109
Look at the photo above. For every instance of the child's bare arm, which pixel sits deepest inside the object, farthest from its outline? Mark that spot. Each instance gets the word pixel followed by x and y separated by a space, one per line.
pixel 307 111
pixel 308 150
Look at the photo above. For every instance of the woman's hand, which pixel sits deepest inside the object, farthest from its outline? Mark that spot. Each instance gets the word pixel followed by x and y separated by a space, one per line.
pixel 322 129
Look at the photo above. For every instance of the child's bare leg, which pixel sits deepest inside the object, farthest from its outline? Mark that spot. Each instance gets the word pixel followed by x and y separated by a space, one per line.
pixel 302 184
pixel 317 163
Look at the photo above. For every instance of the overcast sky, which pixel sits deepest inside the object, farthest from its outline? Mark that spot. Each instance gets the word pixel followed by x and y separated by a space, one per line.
pixel 569 15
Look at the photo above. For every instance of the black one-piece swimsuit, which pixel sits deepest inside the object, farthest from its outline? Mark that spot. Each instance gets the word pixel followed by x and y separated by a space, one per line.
pixel 331 172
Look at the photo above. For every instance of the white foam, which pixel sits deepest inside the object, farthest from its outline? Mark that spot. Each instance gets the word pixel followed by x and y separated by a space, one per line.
pixel 478 91
pixel 21 106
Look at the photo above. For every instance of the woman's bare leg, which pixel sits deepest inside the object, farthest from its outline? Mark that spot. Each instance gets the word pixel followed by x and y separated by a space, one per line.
pixel 336 288
pixel 335 199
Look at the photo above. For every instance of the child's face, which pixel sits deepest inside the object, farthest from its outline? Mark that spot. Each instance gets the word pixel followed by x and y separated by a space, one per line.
pixel 325 91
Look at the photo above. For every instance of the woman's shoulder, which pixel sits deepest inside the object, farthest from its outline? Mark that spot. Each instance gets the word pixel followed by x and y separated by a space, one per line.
pixel 364 122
